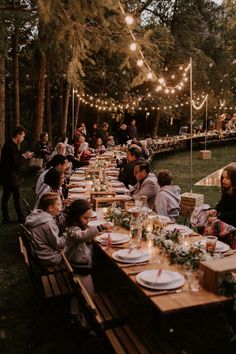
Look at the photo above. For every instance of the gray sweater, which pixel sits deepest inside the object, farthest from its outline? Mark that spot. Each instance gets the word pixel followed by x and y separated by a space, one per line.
pixel 46 236
pixel 76 249
pixel 168 201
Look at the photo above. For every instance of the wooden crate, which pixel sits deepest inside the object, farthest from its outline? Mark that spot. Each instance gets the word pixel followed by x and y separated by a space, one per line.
pixel 204 155
pixel 213 271
pixel 189 201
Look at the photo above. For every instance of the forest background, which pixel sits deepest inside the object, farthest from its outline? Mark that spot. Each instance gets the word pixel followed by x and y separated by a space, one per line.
pixel 67 61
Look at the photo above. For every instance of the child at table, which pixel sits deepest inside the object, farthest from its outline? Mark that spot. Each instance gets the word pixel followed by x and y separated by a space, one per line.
pixel 78 233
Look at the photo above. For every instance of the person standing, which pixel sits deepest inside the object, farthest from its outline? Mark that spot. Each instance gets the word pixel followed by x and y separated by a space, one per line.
pixel 11 160
pixel 43 148
pixel 132 129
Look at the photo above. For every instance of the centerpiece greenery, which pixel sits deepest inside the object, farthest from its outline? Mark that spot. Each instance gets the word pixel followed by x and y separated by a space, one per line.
pixel 178 253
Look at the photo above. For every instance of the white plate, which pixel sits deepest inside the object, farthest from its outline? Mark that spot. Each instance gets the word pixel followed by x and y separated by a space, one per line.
pixel 117 184
pixel 116 238
pixel 138 210
pixel 185 230
pixel 124 196
pixel 77 190
pixel 76 179
pixel 164 219
pixel 150 277
pixel 220 246
pixel 95 223
pixel 128 254
pixel 120 190
pixel 173 285
pixel 79 172
pixel 78 196
pixel 112 178
pixel 140 260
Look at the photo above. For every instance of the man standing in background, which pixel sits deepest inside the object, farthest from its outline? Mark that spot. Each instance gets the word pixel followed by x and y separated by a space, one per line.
pixel 10 174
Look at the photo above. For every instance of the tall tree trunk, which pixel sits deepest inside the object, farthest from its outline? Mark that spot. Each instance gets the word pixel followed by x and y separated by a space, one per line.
pixel 77 111
pixel 66 107
pixel 40 105
pixel 48 115
pixel 61 106
pixel 156 124
pixel 2 101
pixel 16 77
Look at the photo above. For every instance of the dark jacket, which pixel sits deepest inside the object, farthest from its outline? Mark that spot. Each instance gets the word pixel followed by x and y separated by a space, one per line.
pixel 226 208
pixel 122 136
pixel 11 160
pixel 43 150
pixel 126 174
pixel 132 131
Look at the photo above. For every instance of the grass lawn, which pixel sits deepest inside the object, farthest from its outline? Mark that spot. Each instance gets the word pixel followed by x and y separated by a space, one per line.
pixel 179 164
pixel 19 304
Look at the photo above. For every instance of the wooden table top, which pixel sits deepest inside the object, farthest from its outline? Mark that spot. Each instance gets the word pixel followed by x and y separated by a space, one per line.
pixel 169 302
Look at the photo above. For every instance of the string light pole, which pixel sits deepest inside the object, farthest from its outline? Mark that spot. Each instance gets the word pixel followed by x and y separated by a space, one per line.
pixel 191 122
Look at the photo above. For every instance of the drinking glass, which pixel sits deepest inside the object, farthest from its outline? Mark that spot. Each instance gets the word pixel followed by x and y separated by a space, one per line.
pixel 136 234
pixel 195 280
pixel 211 244
pixel 138 203
pixel 100 214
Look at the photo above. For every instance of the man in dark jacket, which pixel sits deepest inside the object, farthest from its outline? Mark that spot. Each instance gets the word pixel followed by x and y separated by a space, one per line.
pixel 11 160
pixel 126 174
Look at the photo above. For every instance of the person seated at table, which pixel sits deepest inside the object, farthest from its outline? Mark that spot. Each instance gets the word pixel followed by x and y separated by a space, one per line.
pixel 44 229
pixel 83 152
pixel 53 181
pixel 226 208
pixel 59 162
pixel 146 183
pixel 99 147
pixel 77 234
pixel 167 200
pixel 126 174
pixel 142 146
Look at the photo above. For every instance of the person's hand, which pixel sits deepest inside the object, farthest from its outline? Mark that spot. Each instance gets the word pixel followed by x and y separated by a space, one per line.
pixel 67 202
pixel 27 154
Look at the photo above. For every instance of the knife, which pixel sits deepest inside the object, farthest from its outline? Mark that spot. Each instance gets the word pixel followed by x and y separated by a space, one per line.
pixel 164 292
pixel 133 265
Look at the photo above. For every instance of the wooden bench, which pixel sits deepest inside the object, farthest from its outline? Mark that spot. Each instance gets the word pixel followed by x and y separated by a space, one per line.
pixel 121 338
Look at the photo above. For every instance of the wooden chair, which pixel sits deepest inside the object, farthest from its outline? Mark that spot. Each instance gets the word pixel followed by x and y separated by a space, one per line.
pixel 27 205
pixel 53 290
pixel 121 338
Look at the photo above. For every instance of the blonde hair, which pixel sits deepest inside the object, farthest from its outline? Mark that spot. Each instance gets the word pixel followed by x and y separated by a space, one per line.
pixel 47 200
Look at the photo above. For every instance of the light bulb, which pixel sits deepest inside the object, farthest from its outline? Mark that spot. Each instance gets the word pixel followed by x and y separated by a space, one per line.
pixel 161 81
pixel 167 90
pixel 140 62
pixel 149 76
pixel 129 20
pixel 133 46
pixel 159 88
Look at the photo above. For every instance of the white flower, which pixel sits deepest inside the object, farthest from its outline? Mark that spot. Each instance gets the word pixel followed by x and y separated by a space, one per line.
pixel 168 243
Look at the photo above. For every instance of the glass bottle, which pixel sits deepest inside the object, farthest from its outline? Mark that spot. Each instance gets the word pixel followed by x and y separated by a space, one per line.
pixel 135 230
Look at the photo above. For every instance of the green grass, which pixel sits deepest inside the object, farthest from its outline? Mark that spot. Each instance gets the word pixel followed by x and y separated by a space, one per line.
pixel 179 164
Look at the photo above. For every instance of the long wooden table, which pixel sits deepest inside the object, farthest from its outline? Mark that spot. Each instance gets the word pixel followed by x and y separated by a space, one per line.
pixel 171 302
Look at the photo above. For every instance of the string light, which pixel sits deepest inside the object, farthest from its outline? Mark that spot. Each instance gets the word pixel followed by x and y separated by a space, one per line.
pixel 198 107
pixel 129 20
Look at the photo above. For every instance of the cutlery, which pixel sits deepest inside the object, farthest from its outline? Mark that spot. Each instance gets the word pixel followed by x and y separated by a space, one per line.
pixel 229 253
pixel 134 272
pixel 133 264
pixel 164 292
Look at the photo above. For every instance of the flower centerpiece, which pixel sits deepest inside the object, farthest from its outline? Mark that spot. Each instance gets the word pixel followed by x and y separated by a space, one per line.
pixel 177 253
pixel 118 215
